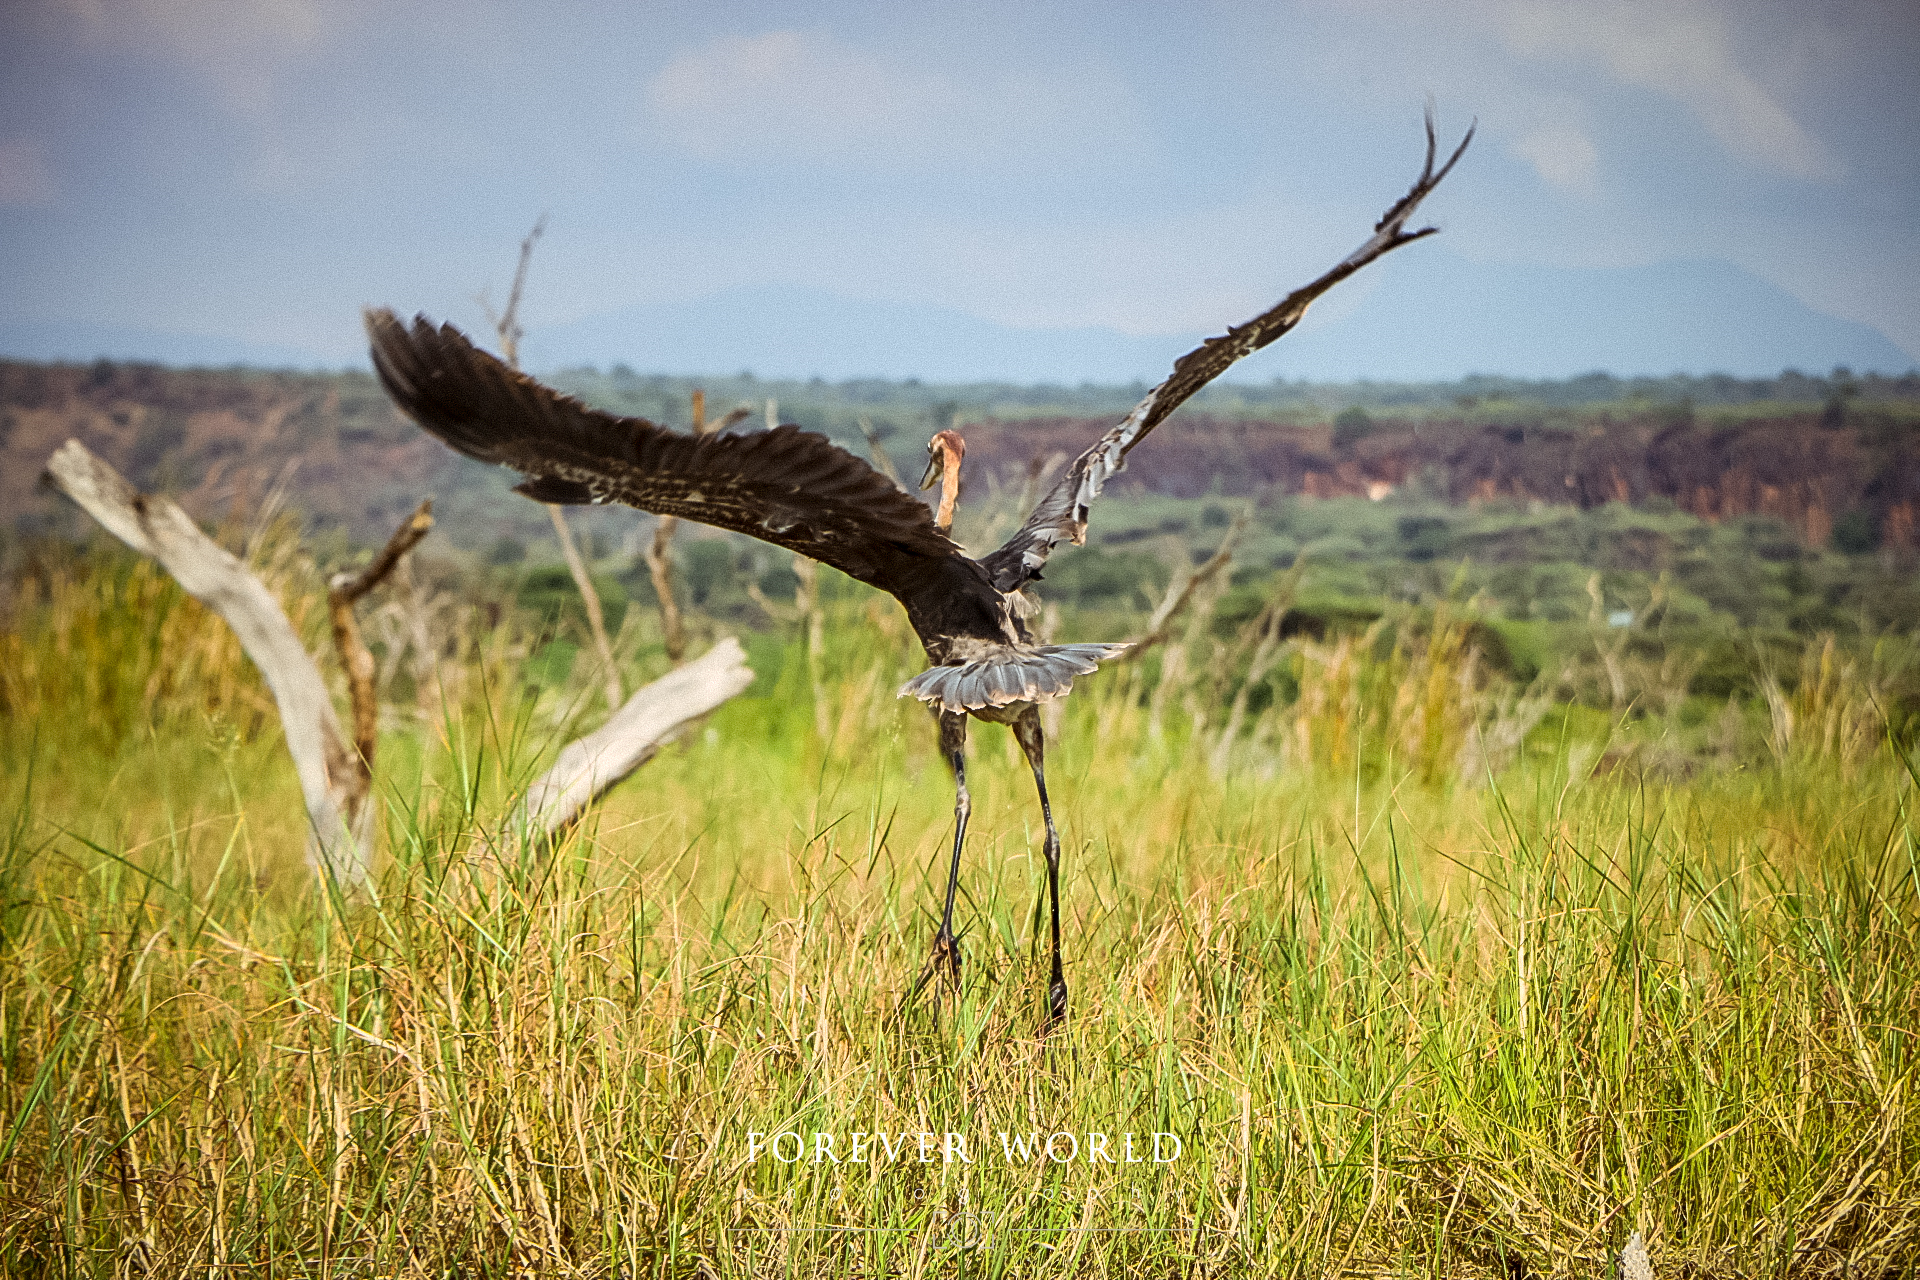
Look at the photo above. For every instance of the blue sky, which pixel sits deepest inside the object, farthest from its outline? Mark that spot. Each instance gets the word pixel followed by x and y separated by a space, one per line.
pixel 260 169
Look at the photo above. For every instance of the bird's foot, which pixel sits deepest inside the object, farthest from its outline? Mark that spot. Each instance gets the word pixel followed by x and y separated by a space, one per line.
pixel 946 955
pixel 943 959
pixel 1056 1005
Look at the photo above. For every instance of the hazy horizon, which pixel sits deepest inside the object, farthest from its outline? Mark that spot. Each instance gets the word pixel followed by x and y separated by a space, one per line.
pixel 219 175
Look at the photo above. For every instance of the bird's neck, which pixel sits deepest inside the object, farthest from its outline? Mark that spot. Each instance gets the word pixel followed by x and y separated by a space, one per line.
pixel 949 495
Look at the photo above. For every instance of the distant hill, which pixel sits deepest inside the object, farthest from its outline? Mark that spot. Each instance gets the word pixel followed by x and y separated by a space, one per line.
pixel 786 331
pixel 1425 314
pixel 84 343
pixel 1806 469
pixel 1436 315
pixel 1422 315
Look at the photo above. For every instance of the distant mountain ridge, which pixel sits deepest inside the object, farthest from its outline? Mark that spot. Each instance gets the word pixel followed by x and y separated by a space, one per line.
pixel 1436 314
pixel 1426 314
pixel 82 343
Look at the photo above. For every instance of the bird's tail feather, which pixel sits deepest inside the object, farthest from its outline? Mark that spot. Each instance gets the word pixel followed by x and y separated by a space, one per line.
pixel 1024 674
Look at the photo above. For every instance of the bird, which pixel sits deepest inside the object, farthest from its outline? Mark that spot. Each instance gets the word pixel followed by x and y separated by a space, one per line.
pixel 799 490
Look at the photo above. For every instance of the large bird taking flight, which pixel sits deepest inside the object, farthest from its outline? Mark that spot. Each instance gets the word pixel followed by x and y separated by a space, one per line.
pixel 798 490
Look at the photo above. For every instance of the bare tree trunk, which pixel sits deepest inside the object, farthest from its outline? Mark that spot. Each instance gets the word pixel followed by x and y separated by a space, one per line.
pixel 596 621
pixel 428 694
pixel 660 570
pixel 630 737
pixel 659 564
pixel 806 603
pixel 339 820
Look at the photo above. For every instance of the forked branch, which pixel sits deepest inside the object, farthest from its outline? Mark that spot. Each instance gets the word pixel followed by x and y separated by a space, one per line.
pixel 507 323
pixel 342 594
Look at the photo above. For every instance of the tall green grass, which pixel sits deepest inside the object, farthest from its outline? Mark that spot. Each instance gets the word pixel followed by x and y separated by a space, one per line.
pixel 1411 1006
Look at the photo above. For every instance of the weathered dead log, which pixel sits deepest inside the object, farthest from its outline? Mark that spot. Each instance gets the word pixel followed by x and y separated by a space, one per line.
pixel 339 820
pixel 651 718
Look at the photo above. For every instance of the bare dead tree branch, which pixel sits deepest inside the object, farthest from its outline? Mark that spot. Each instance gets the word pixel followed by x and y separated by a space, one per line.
pixel 330 780
pixel 1040 466
pixel 772 608
pixel 660 570
pixel 1180 592
pixel 632 735
pixel 355 658
pixel 404 539
pixel 507 325
pixel 635 729
pixel 879 452
pixel 596 620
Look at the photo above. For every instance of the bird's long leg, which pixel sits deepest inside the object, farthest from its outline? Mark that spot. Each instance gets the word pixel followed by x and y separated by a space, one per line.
pixel 953 745
pixel 1033 741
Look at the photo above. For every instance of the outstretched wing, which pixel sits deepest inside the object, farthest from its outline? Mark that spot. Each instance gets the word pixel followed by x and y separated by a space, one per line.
pixel 1061 515
pixel 793 488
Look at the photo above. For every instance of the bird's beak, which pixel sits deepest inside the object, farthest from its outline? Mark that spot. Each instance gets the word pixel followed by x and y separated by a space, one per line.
pixel 936 463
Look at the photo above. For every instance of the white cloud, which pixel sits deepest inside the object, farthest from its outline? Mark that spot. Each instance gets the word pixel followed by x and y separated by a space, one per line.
pixel 1562 155
pixel 808 98
pixel 237 45
pixel 25 176
pixel 1683 50
pixel 1680 48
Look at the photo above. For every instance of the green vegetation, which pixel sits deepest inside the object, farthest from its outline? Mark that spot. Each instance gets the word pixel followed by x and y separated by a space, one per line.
pixel 835 407
pixel 1452 929
pixel 1513 849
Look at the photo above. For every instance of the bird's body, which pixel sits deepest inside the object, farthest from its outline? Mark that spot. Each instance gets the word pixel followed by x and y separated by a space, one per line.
pixel 798 490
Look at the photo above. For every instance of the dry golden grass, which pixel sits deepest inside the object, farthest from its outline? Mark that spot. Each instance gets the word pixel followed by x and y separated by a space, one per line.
pixel 1406 1013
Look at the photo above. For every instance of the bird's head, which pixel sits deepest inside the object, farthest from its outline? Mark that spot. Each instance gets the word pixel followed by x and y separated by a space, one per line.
pixel 944 453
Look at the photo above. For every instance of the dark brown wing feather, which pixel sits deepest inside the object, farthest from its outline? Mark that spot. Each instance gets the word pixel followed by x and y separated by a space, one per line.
pixel 786 486
pixel 1061 515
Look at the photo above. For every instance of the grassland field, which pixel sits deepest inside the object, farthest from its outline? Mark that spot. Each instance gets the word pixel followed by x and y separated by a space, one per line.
pixel 1427 968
